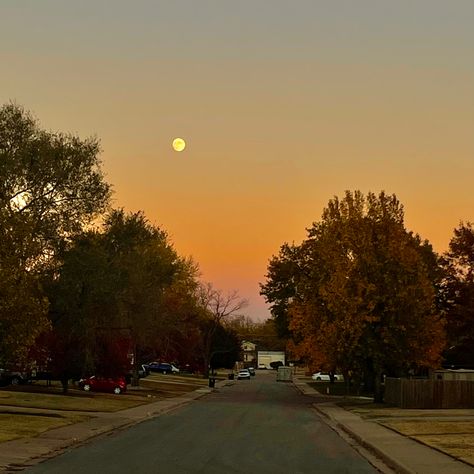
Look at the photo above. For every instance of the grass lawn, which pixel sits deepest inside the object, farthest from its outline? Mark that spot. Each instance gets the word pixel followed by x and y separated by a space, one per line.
pixel 455 438
pixel 74 401
pixel 41 408
pixel 14 426
pixel 172 385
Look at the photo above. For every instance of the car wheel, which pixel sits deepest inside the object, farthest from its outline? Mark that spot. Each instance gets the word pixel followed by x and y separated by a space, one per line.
pixel 15 380
pixel 87 387
pixel 117 390
pixel 318 378
pixel 165 372
pixel 335 378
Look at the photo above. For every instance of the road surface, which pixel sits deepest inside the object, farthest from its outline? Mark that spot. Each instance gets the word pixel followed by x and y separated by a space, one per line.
pixel 259 426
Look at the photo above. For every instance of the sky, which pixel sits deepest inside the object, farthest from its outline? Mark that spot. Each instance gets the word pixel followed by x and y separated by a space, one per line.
pixel 283 105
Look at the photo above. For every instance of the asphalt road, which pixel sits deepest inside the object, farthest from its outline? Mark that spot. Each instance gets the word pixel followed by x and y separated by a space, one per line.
pixel 256 426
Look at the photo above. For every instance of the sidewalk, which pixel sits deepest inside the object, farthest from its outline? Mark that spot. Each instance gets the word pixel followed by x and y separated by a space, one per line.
pixel 398 452
pixel 18 454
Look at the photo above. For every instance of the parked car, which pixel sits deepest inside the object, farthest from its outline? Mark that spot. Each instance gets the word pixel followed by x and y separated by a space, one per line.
pixel 12 377
pixel 275 364
pixel 115 385
pixel 324 377
pixel 162 367
pixel 243 374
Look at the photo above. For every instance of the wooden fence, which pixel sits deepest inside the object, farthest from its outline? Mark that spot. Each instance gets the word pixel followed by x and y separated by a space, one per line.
pixel 421 393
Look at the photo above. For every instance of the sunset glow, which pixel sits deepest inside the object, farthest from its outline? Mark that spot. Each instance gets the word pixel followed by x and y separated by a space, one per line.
pixel 284 105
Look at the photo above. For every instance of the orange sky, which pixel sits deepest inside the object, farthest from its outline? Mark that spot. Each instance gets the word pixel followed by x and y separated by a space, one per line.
pixel 282 104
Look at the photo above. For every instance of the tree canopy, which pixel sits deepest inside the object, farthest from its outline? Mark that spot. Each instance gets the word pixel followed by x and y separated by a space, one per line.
pixel 51 186
pixel 457 297
pixel 110 289
pixel 359 292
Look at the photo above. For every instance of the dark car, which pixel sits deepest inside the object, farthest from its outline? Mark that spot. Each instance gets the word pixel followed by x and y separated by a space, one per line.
pixel 162 367
pixel 12 377
pixel 115 385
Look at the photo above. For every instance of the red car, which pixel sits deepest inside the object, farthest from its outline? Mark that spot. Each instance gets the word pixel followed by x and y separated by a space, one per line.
pixel 115 385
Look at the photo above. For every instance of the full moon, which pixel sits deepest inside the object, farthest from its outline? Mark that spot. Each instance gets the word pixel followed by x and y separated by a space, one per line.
pixel 179 144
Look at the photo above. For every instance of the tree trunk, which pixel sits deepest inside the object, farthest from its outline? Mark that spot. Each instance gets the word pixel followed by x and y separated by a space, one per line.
pixel 378 389
pixel 135 376
pixel 64 383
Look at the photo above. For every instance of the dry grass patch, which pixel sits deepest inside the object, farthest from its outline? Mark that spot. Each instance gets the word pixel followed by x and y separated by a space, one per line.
pixel 458 446
pixel 455 438
pixel 172 384
pixel 373 410
pixel 78 401
pixel 14 426
pixel 430 427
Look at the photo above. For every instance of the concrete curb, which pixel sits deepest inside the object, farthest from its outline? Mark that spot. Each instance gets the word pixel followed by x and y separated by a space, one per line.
pixel 388 460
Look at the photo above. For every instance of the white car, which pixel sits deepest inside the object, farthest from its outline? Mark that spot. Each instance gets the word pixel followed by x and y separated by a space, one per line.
pixel 324 377
pixel 243 374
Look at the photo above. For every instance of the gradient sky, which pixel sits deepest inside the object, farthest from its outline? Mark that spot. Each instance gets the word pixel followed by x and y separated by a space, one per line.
pixel 283 105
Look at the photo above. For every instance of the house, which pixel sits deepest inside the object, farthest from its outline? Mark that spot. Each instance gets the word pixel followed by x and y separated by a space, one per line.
pixel 249 350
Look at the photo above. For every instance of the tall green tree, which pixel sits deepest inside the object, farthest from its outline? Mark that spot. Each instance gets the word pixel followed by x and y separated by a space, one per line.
pixel 51 186
pixel 110 288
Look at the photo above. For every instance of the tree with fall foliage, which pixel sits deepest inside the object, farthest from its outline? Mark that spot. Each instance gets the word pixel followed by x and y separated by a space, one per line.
pixel 457 298
pixel 363 288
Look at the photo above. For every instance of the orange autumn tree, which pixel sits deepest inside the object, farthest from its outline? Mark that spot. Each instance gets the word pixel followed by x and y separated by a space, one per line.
pixel 363 297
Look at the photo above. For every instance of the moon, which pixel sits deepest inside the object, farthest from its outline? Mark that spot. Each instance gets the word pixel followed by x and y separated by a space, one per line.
pixel 179 144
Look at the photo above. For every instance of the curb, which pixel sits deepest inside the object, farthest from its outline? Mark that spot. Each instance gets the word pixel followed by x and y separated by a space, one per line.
pixel 397 452
pixel 390 462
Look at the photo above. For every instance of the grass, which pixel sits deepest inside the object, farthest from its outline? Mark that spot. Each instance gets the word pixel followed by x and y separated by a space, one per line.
pixel 455 438
pixel 14 426
pixel 74 401
pixel 41 408
pixel 169 386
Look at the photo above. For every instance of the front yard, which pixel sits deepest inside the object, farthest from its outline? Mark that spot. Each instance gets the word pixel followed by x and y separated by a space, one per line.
pixel 29 410
pixel 449 431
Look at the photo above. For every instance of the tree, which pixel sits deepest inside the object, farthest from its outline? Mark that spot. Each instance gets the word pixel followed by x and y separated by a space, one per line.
pixel 263 334
pixel 109 290
pixel 217 307
pixel 51 186
pixel 457 293
pixel 225 347
pixel 280 287
pixel 364 292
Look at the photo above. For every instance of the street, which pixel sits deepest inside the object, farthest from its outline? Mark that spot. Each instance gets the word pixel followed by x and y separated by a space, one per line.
pixel 258 426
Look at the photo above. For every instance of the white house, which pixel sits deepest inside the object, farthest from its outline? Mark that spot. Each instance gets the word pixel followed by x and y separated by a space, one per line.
pixel 249 351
